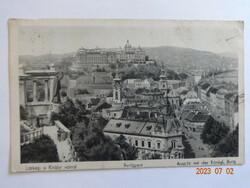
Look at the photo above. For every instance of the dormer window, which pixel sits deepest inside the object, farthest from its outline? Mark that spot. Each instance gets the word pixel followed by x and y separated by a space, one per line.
pixel 127 125
pixel 159 128
pixel 148 128
pixel 118 124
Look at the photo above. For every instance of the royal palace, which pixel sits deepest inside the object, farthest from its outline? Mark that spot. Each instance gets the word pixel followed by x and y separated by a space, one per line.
pixel 97 57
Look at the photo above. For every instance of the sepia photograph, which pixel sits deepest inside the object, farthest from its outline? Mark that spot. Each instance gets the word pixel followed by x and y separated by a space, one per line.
pixel 101 94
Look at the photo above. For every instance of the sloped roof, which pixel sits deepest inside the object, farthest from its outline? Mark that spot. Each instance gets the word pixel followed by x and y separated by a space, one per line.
pixel 110 94
pixel 140 127
pixel 104 105
pixel 95 101
pixel 150 80
pixel 184 92
pixel 214 90
pixel 118 126
pixel 205 86
pixel 200 117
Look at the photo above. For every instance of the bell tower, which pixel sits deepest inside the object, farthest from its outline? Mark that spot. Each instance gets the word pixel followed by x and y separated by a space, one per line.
pixel 163 73
pixel 163 83
pixel 117 98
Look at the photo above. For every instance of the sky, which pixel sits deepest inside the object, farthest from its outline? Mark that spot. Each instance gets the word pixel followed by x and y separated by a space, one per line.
pixel 38 39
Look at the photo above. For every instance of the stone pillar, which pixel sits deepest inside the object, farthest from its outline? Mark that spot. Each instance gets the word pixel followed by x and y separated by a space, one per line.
pixel 22 92
pixel 34 91
pixel 46 91
pixel 51 88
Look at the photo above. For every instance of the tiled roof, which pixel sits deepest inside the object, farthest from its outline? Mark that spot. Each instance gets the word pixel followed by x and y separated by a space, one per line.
pixel 139 127
pixel 116 125
pixel 205 86
pixel 192 117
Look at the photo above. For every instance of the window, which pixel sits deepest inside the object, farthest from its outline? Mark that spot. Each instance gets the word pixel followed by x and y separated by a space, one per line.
pixel 149 144
pixel 173 142
pixel 163 86
pixel 116 95
pixel 148 128
pixel 158 145
pixel 142 143
pixel 136 142
pixel 118 124
pixel 114 114
pixel 127 125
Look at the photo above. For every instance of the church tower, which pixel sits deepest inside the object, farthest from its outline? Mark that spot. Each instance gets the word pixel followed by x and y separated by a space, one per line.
pixel 163 85
pixel 163 73
pixel 117 97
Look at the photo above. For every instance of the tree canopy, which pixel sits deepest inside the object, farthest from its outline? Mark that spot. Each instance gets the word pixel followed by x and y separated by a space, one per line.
pixel 42 150
pixel 188 151
pixel 229 147
pixel 92 145
pixel 213 131
pixel 70 113
pixel 183 76
pixel 129 152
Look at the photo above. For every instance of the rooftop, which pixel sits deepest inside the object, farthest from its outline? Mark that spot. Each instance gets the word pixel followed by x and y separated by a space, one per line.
pixel 144 128
pixel 197 117
pixel 205 86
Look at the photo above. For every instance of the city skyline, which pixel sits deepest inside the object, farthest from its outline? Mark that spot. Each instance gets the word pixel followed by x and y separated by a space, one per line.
pixel 62 39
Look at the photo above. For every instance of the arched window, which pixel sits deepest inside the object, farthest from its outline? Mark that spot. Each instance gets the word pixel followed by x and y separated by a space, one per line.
pixel 173 143
pixel 158 145
pixel 116 95
pixel 149 144
pixel 136 142
pixel 142 143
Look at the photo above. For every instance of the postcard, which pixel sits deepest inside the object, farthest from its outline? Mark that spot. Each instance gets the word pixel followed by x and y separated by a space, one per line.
pixel 118 94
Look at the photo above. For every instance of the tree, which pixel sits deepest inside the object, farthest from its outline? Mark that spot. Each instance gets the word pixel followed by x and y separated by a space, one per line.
pixel 129 152
pixel 183 76
pixel 155 156
pixel 228 147
pixel 213 131
pixel 69 113
pixel 92 145
pixel 42 150
pixel 188 151
pixel 63 94
pixel 172 75
pixel 148 156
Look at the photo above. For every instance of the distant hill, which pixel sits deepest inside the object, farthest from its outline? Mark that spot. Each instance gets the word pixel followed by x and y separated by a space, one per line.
pixel 44 60
pixel 189 58
pixel 171 56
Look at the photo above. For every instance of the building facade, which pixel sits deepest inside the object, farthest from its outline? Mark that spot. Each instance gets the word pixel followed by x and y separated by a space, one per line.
pixel 149 137
pixel 97 57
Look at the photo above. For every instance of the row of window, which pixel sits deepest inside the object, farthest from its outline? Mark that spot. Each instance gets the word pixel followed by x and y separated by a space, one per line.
pixel 148 143
pixel 143 143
